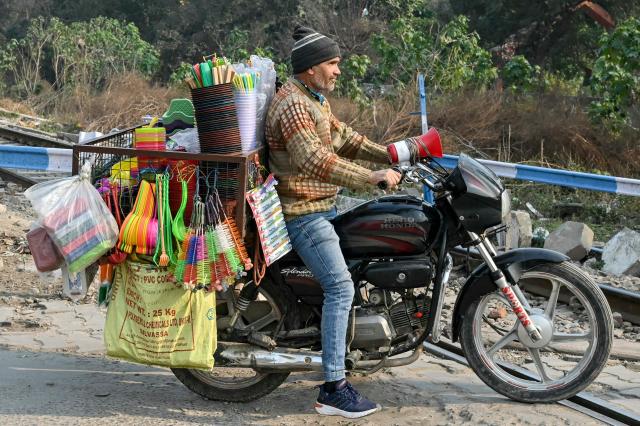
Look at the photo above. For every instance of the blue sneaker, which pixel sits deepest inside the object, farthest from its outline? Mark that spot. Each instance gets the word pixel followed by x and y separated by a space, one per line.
pixel 345 402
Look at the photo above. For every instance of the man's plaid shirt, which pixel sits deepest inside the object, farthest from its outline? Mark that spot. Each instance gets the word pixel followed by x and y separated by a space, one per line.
pixel 309 151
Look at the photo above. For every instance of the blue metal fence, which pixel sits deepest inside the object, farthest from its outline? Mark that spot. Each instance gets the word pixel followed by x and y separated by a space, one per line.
pixel 59 160
pixel 36 158
pixel 592 182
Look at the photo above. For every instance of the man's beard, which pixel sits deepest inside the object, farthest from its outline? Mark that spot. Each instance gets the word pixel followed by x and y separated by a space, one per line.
pixel 323 85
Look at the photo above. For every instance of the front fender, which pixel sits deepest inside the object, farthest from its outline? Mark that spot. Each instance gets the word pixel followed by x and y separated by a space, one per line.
pixel 511 263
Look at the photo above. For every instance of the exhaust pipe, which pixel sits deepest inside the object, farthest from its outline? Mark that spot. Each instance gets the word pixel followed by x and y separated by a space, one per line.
pixel 282 359
pixel 243 355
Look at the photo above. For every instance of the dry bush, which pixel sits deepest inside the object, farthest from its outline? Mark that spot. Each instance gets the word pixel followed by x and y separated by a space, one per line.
pixel 124 101
pixel 468 121
pixel 545 130
pixel 17 107
pixel 385 120
pixel 556 130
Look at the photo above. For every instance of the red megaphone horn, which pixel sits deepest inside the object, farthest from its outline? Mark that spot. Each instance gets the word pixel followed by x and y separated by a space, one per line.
pixel 426 145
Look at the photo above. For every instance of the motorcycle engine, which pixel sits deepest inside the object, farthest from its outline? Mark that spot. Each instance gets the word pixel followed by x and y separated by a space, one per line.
pixel 376 326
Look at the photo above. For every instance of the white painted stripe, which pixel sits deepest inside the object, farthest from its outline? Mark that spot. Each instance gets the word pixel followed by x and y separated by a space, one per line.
pixel 60 160
pixel 628 186
pixel 403 151
pixel 299 44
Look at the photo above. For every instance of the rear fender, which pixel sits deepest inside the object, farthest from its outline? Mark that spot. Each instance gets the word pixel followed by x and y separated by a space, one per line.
pixel 511 263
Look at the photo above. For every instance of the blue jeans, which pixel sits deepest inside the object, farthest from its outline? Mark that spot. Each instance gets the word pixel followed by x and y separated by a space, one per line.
pixel 316 242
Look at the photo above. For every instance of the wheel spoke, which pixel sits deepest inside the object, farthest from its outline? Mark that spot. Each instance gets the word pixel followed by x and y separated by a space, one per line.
pixel 553 300
pixel 535 355
pixel 506 339
pixel 261 323
pixel 565 337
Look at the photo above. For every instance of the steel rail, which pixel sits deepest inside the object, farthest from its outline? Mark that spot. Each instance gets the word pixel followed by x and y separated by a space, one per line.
pixel 31 138
pixel 11 176
pixel 584 402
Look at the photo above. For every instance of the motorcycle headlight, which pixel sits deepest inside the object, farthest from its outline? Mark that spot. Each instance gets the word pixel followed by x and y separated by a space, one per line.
pixel 506 206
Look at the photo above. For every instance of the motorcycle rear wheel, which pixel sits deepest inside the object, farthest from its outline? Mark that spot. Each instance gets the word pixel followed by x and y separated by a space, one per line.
pixel 571 310
pixel 243 384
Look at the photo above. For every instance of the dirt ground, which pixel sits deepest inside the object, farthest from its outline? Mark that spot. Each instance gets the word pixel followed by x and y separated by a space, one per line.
pixel 53 369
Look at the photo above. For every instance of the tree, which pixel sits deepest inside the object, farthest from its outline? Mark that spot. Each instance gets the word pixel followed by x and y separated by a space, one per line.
pixel 81 53
pixel 616 74
pixel 550 33
pixel 450 56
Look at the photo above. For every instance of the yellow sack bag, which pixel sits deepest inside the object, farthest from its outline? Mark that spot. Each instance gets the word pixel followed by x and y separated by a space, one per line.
pixel 151 320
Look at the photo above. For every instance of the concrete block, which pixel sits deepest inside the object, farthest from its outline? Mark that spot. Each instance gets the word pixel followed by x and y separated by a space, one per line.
pixel 621 254
pixel 572 238
pixel 519 231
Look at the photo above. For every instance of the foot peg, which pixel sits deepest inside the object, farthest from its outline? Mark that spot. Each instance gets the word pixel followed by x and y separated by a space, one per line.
pixel 262 340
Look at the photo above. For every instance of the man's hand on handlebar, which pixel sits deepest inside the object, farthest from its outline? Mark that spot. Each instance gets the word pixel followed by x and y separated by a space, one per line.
pixel 385 179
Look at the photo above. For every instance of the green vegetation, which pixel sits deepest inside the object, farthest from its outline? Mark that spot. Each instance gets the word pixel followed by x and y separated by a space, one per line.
pixel 519 75
pixel 511 79
pixel 80 53
pixel 616 74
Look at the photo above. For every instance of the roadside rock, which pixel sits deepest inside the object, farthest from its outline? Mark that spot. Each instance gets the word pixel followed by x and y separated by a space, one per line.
pixel 12 188
pixel 519 232
pixel 621 254
pixel 572 238
pixel 617 319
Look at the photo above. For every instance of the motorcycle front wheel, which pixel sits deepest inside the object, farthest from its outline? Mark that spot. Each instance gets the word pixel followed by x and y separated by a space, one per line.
pixel 576 325
pixel 243 384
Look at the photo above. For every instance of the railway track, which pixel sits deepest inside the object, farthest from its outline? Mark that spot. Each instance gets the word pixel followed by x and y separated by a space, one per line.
pixel 620 300
pixel 30 137
pixel 583 402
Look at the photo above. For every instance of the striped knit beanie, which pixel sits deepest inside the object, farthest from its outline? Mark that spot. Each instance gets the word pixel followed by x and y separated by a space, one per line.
pixel 311 48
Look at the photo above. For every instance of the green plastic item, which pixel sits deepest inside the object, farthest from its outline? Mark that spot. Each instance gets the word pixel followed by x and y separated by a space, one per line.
pixel 177 225
pixel 179 109
pixel 205 71
pixel 166 222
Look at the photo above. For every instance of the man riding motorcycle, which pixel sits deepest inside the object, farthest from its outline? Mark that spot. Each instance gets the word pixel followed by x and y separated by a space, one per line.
pixel 311 154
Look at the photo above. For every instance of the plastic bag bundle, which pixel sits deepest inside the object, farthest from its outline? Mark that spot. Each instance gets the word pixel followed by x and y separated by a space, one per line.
pixel 185 139
pixel 264 91
pixel 75 217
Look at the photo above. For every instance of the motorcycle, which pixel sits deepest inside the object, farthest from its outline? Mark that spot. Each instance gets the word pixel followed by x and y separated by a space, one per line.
pixel 521 310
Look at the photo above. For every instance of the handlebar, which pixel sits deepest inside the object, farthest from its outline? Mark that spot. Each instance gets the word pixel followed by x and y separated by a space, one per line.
pixel 383 184
pixel 413 174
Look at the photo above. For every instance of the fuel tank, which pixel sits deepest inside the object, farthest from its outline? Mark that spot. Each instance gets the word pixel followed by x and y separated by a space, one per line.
pixel 390 226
